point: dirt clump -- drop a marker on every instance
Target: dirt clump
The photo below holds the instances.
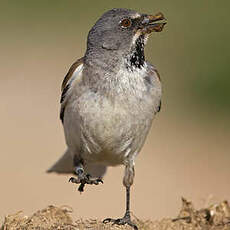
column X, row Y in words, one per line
column 215, row 217
column 49, row 218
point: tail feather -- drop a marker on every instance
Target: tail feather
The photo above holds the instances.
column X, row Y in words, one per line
column 63, row 165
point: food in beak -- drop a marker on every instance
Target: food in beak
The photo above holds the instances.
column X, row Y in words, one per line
column 150, row 25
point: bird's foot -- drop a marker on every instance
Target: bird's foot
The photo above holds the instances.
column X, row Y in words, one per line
column 121, row 221
column 83, row 180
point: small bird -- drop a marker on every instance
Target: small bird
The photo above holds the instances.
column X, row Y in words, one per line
column 109, row 99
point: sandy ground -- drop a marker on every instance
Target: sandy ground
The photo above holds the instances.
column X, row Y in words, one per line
column 214, row 217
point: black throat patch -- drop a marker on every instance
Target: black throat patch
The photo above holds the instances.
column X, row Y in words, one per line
column 137, row 58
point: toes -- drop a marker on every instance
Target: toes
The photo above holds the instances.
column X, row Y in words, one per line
column 93, row 181
column 87, row 176
column 81, row 187
column 114, row 221
column 106, row 221
column 71, row 179
column 121, row 221
column 83, row 181
column 74, row 180
column 100, row 181
column 132, row 225
column 97, row 181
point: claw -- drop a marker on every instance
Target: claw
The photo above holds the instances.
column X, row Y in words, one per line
column 74, row 180
column 85, row 179
column 106, row 221
column 81, row 188
column 121, row 221
column 100, row 180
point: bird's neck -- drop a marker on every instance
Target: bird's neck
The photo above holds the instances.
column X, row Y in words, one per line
column 114, row 68
column 102, row 63
column 136, row 59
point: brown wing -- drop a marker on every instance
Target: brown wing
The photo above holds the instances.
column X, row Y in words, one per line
column 159, row 77
column 70, row 72
column 66, row 85
column 158, row 74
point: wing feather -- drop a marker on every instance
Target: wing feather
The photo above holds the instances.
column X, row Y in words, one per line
column 70, row 76
column 152, row 78
column 159, row 78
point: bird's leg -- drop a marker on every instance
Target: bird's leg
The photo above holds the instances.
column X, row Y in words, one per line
column 83, row 178
column 128, row 180
column 126, row 219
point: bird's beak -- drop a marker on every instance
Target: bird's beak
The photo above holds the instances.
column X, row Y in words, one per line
column 152, row 23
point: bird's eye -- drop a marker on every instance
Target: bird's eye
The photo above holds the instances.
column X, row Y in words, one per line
column 125, row 23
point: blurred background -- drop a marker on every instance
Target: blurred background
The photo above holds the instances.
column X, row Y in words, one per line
column 188, row 150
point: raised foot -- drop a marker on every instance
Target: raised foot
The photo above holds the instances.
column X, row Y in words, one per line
column 83, row 180
column 122, row 221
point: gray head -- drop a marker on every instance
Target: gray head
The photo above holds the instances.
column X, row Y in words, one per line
column 122, row 33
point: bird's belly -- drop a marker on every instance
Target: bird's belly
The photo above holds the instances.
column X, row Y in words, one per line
column 113, row 134
column 108, row 133
column 107, row 141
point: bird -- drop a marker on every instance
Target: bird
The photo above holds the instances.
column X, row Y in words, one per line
column 109, row 99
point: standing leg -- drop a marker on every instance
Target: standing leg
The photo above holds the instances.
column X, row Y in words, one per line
column 127, row 181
